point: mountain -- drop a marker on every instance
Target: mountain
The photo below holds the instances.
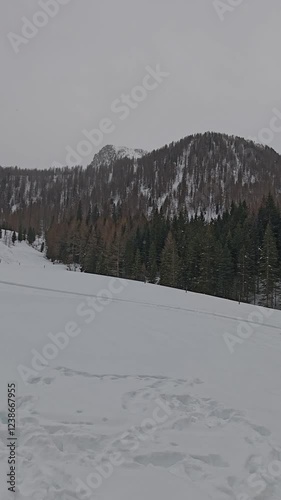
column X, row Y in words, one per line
column 110, row 154
column 129, row 390
column 203, row 172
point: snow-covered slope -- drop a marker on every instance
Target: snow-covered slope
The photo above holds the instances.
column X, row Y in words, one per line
column 20, row 254
column 202, row 173
column 127, row 390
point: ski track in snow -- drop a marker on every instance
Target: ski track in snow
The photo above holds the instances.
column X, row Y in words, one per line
column 73, row 415
column 147, row 304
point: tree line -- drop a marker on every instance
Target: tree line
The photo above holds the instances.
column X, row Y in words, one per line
column 23, row 234
column 235, row 256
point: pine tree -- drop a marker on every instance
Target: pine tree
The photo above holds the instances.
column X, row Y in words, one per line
column 137, row 269
column 90, row 257
column 246, row 270
column 79, row 215
column 31, row 235
column 169, row 269
column 207, row 263
column 152, row 264
column 193, row 260
column 116, row 257
column 269, row 268
column 223, row 272
column 129, row 259
column 102, row 266
column 20, row 237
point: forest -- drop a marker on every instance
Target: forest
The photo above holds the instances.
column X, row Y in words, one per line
column 236, row 255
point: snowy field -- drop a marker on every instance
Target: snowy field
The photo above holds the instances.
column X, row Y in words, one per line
column 131, row 391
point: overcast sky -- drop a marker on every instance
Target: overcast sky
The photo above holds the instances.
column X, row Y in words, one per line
column 224, row 74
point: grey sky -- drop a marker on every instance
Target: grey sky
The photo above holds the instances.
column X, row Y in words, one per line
column 224, row 75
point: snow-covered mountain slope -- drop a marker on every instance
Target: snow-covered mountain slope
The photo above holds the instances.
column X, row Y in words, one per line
column 20, row 254
column 127, row 390
column 201, row 173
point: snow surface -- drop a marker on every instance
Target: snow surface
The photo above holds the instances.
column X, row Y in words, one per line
column 150, row 377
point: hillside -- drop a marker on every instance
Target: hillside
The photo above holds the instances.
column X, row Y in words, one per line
column 204, row 172
column 152, row 393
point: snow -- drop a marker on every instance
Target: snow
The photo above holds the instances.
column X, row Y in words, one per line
column 124, row 152
column 149, row 397
column 109, row 154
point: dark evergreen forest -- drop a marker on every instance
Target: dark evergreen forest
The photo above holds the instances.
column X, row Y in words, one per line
column 236, row 256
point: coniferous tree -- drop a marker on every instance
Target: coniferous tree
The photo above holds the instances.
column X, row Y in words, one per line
column 89, row 263
column 193, row 259
column 245, row 270
column 269, row 268
column 152, row 264
column 79, row 215
column 102, row 266
column 20, row 236
column 169, row 269
column 31, row 235
column 206, row 281
column 224, row 272
column 129, row 259
column 137, row 269
column 116, row 257
column 224, row 257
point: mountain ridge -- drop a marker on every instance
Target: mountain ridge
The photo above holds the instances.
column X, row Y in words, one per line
column 200, row 173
